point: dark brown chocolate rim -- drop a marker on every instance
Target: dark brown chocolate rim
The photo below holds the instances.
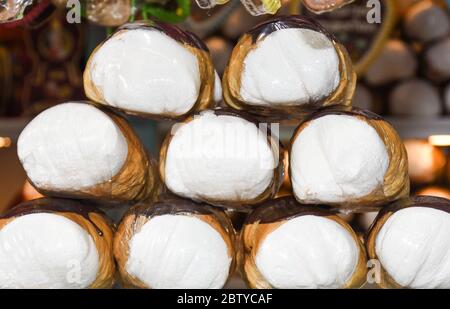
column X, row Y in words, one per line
column 137, row 216
column 271, row 215
column 277, row 179
column 88, row 218
column 396, row 180
column 137, row 157
column 190, row 41
column 416, row 201
column 55, row 205
column 231, row 80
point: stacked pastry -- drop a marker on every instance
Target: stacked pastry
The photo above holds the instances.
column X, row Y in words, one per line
column 178, row 235
column 87, row 151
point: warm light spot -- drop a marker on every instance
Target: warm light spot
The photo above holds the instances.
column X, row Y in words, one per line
column 5, row 142
column 439, row 140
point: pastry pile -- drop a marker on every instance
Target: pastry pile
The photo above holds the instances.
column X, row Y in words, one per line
column 220, row 158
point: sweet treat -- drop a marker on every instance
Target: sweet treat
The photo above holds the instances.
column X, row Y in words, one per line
column 321, row 6
column 437, row 61
column 396, row 62
column 151, row 69
column 54, row 243
column 287, row 67
column 426, row 21
column 415, row 98
column 426, row 163
column 175, row 243
column 435, row 191
column 347, row 157
column 223, row 158
column 410, row 239
column 289, row 246
column 108, row 13
column 77, row 150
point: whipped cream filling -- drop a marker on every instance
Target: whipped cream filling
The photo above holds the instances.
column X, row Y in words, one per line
column 219, row 157
column 146, row 71
column 414, row 247
column 337, row 157
column 290, row 67
column 179, row 252
column 43, row 250
column 71, row 146
column 308, row 252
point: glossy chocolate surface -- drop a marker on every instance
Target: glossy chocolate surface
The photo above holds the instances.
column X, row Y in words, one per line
column 55, row 205
column 265, row 28
column 286, row 208
column 179, row 35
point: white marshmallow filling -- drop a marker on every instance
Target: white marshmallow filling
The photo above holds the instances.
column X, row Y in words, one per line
column 71, row 146
column 219, row 157
column 144, row 70
column 308, row 252
column 290, row 67
column 413, row 246
column 179, row 251
column 336, row 158
column 44, row 251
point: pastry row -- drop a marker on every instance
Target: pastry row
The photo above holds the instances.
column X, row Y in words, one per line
column 339, row 156
column 178, row 243
column 283, row 68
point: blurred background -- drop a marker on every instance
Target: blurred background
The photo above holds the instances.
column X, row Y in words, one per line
column 403, row 66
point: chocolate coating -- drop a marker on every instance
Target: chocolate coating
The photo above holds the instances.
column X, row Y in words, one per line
column 55, row 205
column 179, row 35
column 286, row 208
column 265, row 28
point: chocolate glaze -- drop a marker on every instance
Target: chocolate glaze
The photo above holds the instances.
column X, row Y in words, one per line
column 226, row 111
column 438, row 203
column 179, row 35
column 343, row 110
column 170, row 204
column 265, row 28
column 55, row 205
column 286, row 208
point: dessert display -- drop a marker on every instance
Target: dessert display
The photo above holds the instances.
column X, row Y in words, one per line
column 175, row 243
column 151, row 69
column 410, row 239
column 308, row 69
column 223, row 158
column 347, row 157
column 56, row 243
column 226, row 198
column 78, row 150
column 289, row 245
